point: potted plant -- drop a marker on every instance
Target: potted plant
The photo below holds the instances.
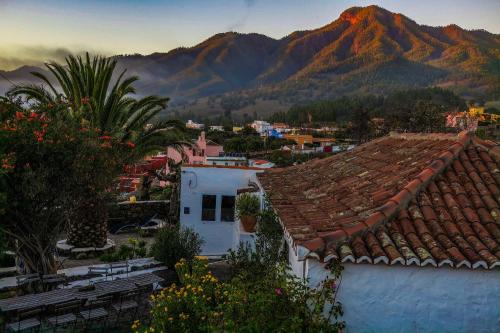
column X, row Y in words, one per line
column 247, row 208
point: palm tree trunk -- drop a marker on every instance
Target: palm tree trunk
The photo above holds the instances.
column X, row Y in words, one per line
column 88, row 225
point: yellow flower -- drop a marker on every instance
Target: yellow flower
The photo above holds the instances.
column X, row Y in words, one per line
column 201, row 257
column 135, row 324
column 170, row 319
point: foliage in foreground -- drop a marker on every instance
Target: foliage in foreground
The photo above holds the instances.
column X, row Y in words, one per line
column 262, row 295
column 90, row 94
column 55, row 167
column 173, row 243
column 277, row 302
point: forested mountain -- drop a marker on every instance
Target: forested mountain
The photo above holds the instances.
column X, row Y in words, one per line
column 365, row 50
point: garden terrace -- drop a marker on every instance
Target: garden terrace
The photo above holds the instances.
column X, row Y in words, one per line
column 410, row 199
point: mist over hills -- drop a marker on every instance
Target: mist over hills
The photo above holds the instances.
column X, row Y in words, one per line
column 365, row 50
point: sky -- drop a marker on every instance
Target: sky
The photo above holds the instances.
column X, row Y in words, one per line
column 34, row 31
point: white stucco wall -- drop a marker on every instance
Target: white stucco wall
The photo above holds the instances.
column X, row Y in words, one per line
column 380, row 298
column 219, row 236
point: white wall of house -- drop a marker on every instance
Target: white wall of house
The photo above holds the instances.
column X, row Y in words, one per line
column 380, row 298
column 219, row 236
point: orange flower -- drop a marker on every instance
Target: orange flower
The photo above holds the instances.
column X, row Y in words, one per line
column 20, row 115
column 106, row 145
column 105, row 137
column 39, row 135
column 130, row 144
column 85, row 100
column 7, row 164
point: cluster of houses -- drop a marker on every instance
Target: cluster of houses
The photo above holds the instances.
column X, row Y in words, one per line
column 475, row 120
column 304, row 143
column 201, row 152
column 414, row 219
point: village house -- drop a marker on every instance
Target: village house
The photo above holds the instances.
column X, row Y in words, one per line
column 207, row 202
column 300, row 139
column 414, row 219
column 281, row 127
column 262, row 127
column 228, row 159
column 193, row 125
column 198, row 152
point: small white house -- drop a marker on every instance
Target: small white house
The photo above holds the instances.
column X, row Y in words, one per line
column 262, row 127
column 227, row 159
column 193, row 125
column 207, row 204
column 219, row 128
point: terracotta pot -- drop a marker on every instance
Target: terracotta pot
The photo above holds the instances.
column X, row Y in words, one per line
column 249, row 222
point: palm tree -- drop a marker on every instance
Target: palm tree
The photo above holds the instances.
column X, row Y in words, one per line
column 87, row 86
column 100, row 100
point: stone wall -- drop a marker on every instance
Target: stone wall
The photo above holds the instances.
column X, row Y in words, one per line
column 128, row 211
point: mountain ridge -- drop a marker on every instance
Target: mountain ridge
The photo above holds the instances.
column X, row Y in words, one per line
column 364, row 50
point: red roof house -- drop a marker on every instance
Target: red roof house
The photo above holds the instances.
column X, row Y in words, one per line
column 415, row 218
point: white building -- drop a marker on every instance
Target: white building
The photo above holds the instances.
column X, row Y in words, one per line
column 219, row 128
column 207, row 204
column 191, row 124
column 262, row 127
column 228, row 159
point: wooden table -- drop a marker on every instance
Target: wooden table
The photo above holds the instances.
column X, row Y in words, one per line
column 58, row 296
column 144, row 280
column 34, row 301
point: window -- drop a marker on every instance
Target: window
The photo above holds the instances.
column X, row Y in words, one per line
column 227, row 208
column 186, row 210
column 208, row 207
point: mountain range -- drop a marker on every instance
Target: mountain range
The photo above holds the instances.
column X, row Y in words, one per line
column 365, row 50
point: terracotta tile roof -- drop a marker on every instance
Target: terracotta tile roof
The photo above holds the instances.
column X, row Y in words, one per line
column 412, row 199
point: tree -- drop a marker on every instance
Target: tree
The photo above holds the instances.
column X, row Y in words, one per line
column 427, row 117
column 54, row 168
column 99, row 103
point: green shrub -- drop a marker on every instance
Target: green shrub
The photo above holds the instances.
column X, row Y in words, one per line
column 247, row 204
column 173, row 243
column 134, row 249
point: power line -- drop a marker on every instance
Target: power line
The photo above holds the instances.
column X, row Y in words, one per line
column 7, row 79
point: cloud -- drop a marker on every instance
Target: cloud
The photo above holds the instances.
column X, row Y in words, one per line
column 12, row 57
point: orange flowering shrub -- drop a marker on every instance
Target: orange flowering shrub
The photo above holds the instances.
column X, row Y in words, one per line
column 55, row 167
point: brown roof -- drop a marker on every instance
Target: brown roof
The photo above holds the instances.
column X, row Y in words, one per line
column 407, row 198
